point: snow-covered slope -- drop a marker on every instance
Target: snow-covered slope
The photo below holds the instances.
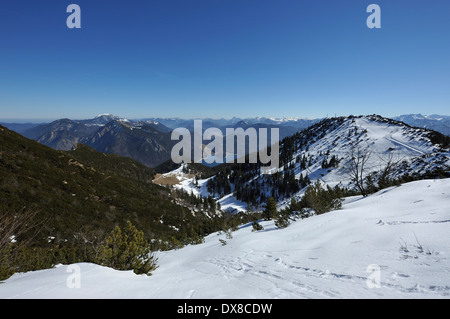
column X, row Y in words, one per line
column 392, row 244
column 377, row 137
column 187, row 182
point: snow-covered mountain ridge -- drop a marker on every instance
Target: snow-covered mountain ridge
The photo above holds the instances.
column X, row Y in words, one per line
column 324, row 151
column 379, row 137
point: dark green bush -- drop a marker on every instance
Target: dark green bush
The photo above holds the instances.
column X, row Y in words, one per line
column 319, row 199
column 127, row 249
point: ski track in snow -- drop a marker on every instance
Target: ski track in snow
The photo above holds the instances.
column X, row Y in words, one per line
column 395, row 141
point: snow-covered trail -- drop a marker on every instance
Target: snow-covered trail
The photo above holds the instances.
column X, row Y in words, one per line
column 399, row 236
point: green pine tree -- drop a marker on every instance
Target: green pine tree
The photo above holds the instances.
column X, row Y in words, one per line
column 256, row 226
column 322, row 200
column 282, row 218
column 127, row 249
column 271, row 209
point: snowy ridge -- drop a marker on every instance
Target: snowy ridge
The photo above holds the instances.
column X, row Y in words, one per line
column 401, row 232
column 378, row 138
column 410, row 149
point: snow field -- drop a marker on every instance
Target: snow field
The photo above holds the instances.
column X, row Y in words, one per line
column 392, row 244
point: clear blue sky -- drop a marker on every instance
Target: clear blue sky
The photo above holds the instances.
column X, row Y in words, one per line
column 223, row 58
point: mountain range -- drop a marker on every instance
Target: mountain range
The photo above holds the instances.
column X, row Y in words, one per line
column 148, row 140
column 439, row 123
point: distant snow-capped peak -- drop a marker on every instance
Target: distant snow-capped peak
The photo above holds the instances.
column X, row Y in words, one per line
column 106, row 115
